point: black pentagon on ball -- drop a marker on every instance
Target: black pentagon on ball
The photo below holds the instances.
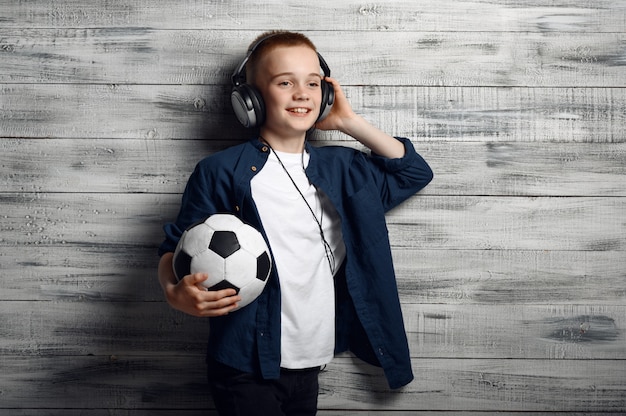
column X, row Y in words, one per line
column 182, row 264
column 263, row 266
column 224, row 243
column 224, row 284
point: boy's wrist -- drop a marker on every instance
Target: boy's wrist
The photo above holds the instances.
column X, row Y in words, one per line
column 353, row 126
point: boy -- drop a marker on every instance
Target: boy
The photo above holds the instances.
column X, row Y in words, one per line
column 321, row 210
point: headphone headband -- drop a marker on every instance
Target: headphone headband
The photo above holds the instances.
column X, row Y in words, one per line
column 238, row 77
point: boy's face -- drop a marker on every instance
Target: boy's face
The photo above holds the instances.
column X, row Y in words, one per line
column 289, row 80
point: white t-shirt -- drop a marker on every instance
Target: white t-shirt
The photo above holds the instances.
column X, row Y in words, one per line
column 306, row 280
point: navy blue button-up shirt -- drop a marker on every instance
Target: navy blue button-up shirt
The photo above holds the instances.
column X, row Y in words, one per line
column 362, row 188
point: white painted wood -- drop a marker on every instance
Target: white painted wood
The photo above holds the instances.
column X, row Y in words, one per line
column 164, row 112
column 122, row 273
column 210, row 412
column 481, row 385
column 451, row 385
column 382, row 15
column 508, row 223
column 103, row 326
column 144, row 55
column 425, row 222
column 510, row 265
column 536, row 277
column 461, row 168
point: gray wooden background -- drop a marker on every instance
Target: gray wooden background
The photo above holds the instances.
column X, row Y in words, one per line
column 511, row 264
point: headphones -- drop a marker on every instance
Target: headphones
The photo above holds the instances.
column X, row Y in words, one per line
column 248, row 103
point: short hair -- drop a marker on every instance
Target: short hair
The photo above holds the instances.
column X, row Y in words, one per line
column 268, row 42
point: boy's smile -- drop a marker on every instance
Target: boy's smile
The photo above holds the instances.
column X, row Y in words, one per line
column 299, row 110
column 290, row 82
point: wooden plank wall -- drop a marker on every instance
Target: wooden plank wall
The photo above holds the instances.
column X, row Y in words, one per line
column 511, row 264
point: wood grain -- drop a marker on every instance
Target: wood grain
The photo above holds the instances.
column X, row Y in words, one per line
column 164, row 112
column 510, row 265
column 510, row 276
column 383, row 15
column 164, row 57
column 343, row 412
column 452, row 385
column 461, row 168
column 445, row 223
column 121, row 273
column 99, row 326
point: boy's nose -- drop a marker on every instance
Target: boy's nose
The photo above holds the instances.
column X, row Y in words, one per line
column 301, row 94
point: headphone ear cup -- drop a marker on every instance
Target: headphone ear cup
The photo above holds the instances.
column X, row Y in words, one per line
column 328, row 99
column 248, row 105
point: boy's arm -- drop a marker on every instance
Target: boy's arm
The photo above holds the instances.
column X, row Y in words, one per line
column 344, row 119
column 188, row 297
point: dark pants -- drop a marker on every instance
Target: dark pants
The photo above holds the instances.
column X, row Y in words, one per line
column 236, row 393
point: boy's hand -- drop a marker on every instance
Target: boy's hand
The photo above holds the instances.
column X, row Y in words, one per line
column 189, row 296
column 341, row 112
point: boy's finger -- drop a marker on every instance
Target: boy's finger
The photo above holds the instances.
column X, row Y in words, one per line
column 195, row 278
column 226, row 293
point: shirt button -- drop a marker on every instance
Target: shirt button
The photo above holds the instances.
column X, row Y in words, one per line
column 236, row 208
column 253, row 168
column 264, row 148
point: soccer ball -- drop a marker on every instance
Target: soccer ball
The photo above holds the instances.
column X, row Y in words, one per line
column 232, row 253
